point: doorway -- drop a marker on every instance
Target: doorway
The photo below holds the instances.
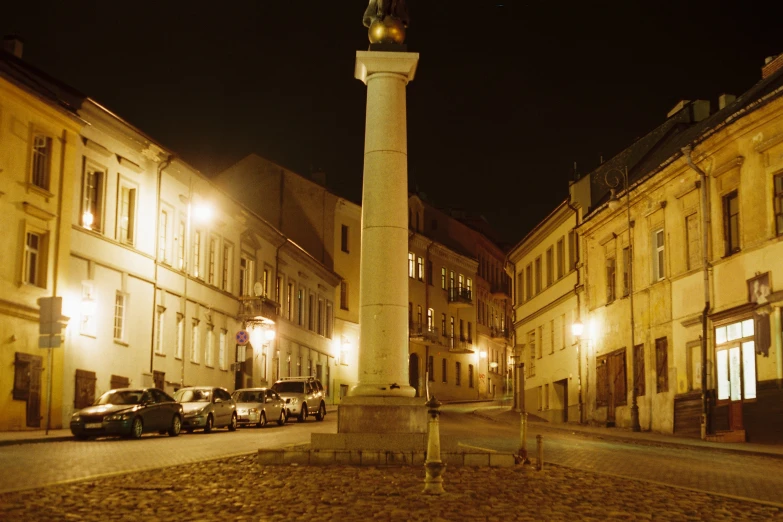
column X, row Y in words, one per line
column 413, row 373
column 560, row 389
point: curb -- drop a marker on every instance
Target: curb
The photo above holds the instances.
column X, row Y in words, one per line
column 36, row 440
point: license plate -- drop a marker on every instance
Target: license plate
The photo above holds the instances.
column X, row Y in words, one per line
column 93, row 425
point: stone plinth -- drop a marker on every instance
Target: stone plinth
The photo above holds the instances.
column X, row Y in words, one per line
column 377, row 424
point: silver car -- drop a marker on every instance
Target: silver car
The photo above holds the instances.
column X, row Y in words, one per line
column 207, row 407
column 256, row 406
column 303, row 396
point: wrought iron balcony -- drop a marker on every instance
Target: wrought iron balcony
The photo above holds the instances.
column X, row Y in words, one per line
column 499, row 334
column 500, row 290
column 255, row 308
column 422, row 332
column 461, row 297
column 457, row 345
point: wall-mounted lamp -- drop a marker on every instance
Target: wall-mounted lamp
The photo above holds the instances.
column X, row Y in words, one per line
column 493, row 364
column 577, row 329
column 483, row 354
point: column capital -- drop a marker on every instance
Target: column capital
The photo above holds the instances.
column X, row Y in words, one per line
column 371, row 62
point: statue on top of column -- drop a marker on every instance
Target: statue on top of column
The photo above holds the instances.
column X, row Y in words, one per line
column 378, row 10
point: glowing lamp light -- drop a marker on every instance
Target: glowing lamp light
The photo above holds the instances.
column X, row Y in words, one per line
column 577, row 329
column 202, row 213
column 88, row 219
column 493, row 364
column 483, row 355
column 269, row 334
column 88, row 307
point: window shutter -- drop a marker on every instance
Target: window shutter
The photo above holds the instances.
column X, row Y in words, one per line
column 620, row 382
column 602, row 383
column 34, row 397
column 84, row 394
column 119, row 382
column 638, row 365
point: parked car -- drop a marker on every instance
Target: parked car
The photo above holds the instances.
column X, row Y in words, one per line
column 129, row 412
column 207, row 407
column 303, row 396
column 258, row 405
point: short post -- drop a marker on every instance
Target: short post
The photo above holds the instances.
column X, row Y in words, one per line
column 540, row 444
column 433, row 481
column 521, row 456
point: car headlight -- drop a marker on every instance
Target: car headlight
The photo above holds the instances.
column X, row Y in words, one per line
column 118, row 417
column 76, row 417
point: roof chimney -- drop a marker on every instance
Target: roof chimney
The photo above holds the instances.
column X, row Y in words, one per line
column 677, row 108
column 771, row 64
column 725, row 100
column 13, row 44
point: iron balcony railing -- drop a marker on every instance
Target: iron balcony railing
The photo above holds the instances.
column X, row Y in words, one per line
column 420, row 331
column 499, row 333
column 460, row 296
column 257, row 308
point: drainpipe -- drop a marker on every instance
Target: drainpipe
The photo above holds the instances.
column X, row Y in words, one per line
column 161, row 167
column 705, row 219
column 578, row 314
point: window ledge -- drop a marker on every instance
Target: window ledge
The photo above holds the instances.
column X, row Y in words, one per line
column 38, row 190
column 121, row 342
column 87, row 334
column 158, row 354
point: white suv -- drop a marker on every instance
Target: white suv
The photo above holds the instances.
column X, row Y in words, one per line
column 303, row 396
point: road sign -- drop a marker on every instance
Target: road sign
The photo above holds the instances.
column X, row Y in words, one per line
column 242, row 337
column 51, row 315
column 49, row 341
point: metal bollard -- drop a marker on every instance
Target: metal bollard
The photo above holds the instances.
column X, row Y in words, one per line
column 433, row 481
column 540, row 444
column 521, row 456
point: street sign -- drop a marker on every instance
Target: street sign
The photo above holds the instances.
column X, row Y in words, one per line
column 51, row 315
column 49, row 341
column 242, row 337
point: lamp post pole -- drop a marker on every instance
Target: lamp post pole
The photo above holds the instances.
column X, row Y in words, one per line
column 626, row 185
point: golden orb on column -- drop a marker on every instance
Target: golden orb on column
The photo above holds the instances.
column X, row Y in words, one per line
column 390, row 30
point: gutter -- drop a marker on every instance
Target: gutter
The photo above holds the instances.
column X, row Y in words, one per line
column 578, row 307
column 705, row 219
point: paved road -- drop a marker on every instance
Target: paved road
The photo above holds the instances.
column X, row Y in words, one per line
column 27, row 466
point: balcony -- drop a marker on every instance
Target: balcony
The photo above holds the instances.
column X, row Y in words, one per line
column 500, row 291
column 460, row 345
column 499, row 334
column 257, row 309
column 421, row 332
column 460, row 297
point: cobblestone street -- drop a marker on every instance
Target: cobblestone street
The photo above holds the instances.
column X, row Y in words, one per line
column 237, row 488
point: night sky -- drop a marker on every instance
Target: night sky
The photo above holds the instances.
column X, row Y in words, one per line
column 507, row 96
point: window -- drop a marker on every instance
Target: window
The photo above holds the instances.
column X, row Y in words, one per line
column 344, row 295
column 461, row 329
column 344, row 238
column 610, row 280
column 573, row 249
column 329, row 320
column 127, row 215
column 194, row 342
column 460, row 282
column 778, row 204
column 278, row 286
column 300, row 307
column 451, row 330
column 245, row 275
column 163, row 227
column 411, row 264
column 531, row 343
column 159, row 320
column 560, row 257
column 418, row 316
column 736, row 360
column 469, row 287
column 119, row 316
column 430, row 319
column 552, row 336
column 209, row 356
column 443, row 325
column 443, row 278
column 265, row 282
column 550, row 266
column 222, row 350
column 626, row 271
column 662, row 365
column 470, row 332
column 228, row 263
column 540, row 341
column 180, row 336
column 320, row 323
column 429, row 272
column 92, row 197
column 458, row 374
column 181, row 246
column 35, row 259
column 470, row 376
column 546, row 396
column 562, row 332
column 520, row 287
column 289, row 301
column 211, row 261
column 638, row 368
column 731, row 222
column 41, row 161
column 420, row 268
column 311, row 313
column 692, row 241
column 538, row 275
column 196, row 253
column 529, row 281
column 431, row 368
column 658, row 255
column 443, row 369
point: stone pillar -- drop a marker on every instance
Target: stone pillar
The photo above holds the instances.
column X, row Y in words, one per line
column 383, row 276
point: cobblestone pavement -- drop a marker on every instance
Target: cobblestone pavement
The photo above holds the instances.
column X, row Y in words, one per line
column 238, row 489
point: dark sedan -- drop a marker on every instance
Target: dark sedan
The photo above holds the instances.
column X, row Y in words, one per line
column 129, row 412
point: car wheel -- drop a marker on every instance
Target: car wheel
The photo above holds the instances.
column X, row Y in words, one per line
column 321, row 413
column 176, row 426
column 208, row 426
column 282, row 419
column 233, row 425
column 262, row 420
column 137, row 428
column 303, row 413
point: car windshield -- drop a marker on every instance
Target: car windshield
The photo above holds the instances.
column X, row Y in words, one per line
column 249, row 396
column 192, row 396
column 120, row 397
column 289, row 387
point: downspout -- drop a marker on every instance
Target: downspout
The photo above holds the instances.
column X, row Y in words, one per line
column 162, row 166
column 578, row 311
column 705, row 219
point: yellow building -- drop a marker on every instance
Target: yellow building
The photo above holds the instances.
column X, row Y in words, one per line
column 39, row 131
column 683, row 243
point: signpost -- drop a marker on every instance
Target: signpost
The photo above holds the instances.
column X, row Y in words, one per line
column 50, row 326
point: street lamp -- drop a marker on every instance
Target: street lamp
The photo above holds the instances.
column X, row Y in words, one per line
column 613, row 178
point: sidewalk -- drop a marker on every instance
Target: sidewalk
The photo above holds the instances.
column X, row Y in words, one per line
column 507, row 415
